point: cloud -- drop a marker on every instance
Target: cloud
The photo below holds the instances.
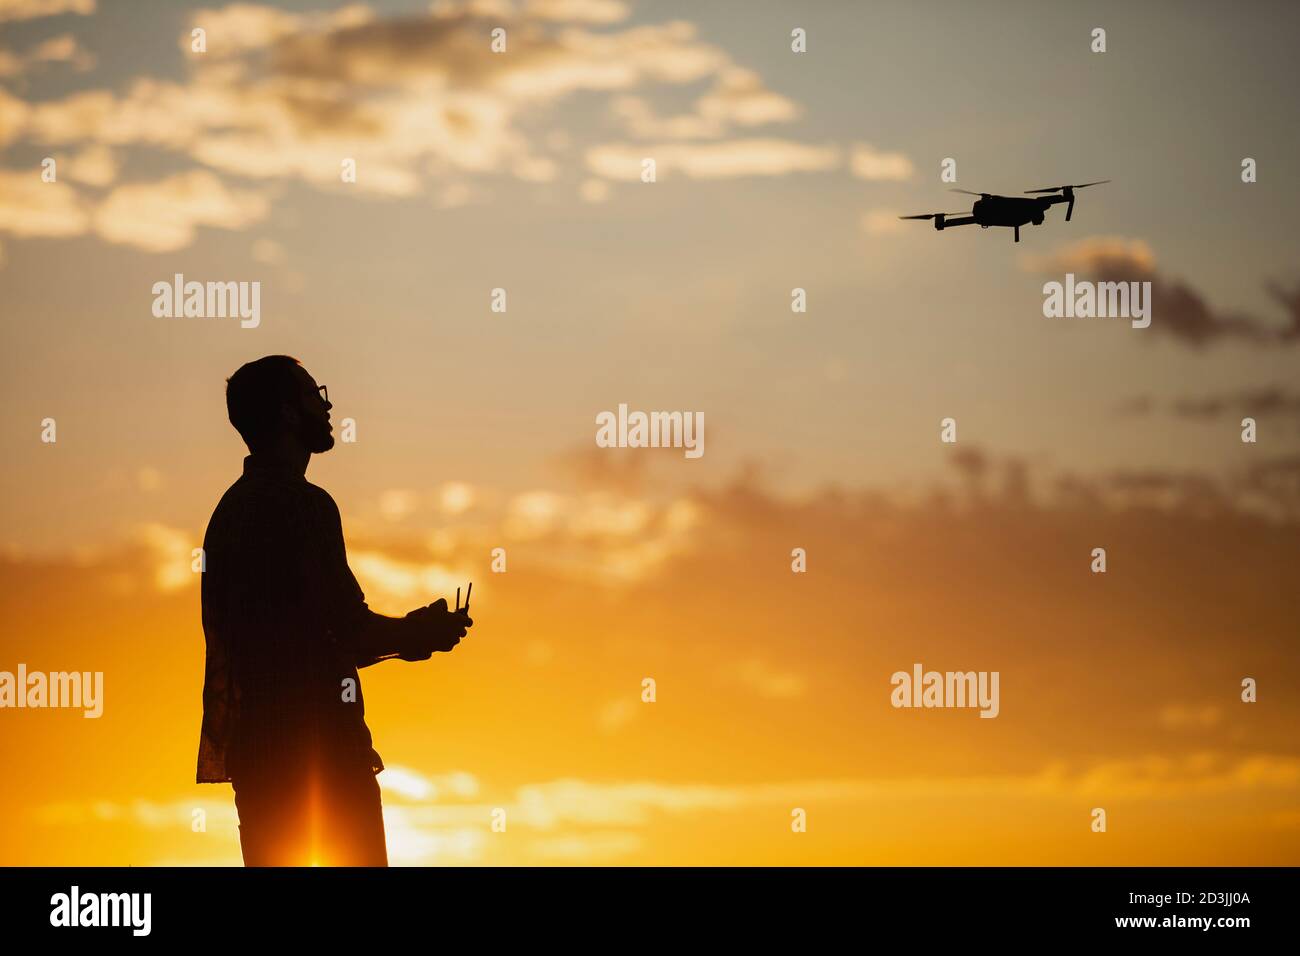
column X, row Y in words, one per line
column 1154, row 777
column 456, row 497
column 638, row 118
column 866, row 162
column 738, row 99
column 587, row 847
column 633, row 537
column 1275, row 483
column 1177, row 309
column 587, row 821
column 60, row 49
column 881, row 222
column 144, row 813
column 770, row 682
column 396, row 503
column 418, row 102
column 34, row 9
column 93, row 166
column 1265, row 402
column 586, row 11
column 1256, row 402
column 30, row 207
column 569, row 803
column 1160, row 777
column 241, row 27
column 617, row 714
column 13, row 117
column 170, row 552
column 162, row 216
column 404, row 782
column 605, row 469
column 1094, row 253
column 741, row 157
column 893, row 578
column 390, row 583
column 267, row 251
column 451, row 53
column 289, row 94
column 1181, row 716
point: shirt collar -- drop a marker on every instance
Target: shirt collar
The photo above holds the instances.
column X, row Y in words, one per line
column 262, row 466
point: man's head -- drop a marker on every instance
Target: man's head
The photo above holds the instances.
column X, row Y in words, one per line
column 273, row 402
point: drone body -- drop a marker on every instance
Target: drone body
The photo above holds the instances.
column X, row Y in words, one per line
column 1012, row 211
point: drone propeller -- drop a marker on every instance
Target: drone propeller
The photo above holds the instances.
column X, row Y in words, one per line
column 1061, row 189
column 968, row 192
column 932, row 215
column 1067, row 193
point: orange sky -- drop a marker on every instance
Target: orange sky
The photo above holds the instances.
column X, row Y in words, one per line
column 476, row 429
column 772, row 689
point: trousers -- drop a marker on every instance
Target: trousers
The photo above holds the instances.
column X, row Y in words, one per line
column 329, row 818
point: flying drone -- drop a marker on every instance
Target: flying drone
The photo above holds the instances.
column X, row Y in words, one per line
column 1013, row 211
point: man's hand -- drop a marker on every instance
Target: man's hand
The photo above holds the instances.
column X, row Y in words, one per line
column 434, row 629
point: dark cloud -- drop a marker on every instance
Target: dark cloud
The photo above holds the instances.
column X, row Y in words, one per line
column 1265, row 402
column 1177, row 308
column 1257, row 401
column 381, row 51
column 616, row 469
column 1269, row 488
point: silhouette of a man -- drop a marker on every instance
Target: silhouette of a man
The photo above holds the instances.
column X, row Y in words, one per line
column 287, row 627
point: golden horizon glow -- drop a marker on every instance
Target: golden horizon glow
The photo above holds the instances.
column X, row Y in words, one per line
column 776, row 172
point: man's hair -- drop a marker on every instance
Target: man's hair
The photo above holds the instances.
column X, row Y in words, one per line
column 255, row 393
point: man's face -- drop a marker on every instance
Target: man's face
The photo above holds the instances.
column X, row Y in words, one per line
column 314, row 429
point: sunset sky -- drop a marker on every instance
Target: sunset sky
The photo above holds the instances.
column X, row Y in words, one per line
column 776, row 170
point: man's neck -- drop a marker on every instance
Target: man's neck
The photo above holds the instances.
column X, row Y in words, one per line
column 291, row 458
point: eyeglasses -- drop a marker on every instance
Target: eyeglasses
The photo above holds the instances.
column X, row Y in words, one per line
column 324, row 393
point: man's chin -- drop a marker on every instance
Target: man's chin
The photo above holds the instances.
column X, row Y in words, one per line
column 323, row 443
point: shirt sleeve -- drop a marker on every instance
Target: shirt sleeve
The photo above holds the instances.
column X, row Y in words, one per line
column 346, row 614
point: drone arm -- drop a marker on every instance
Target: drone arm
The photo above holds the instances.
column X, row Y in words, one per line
column 1067, row 197
column 945, row 223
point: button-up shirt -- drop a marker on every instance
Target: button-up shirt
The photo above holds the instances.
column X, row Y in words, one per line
column 283, row 617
